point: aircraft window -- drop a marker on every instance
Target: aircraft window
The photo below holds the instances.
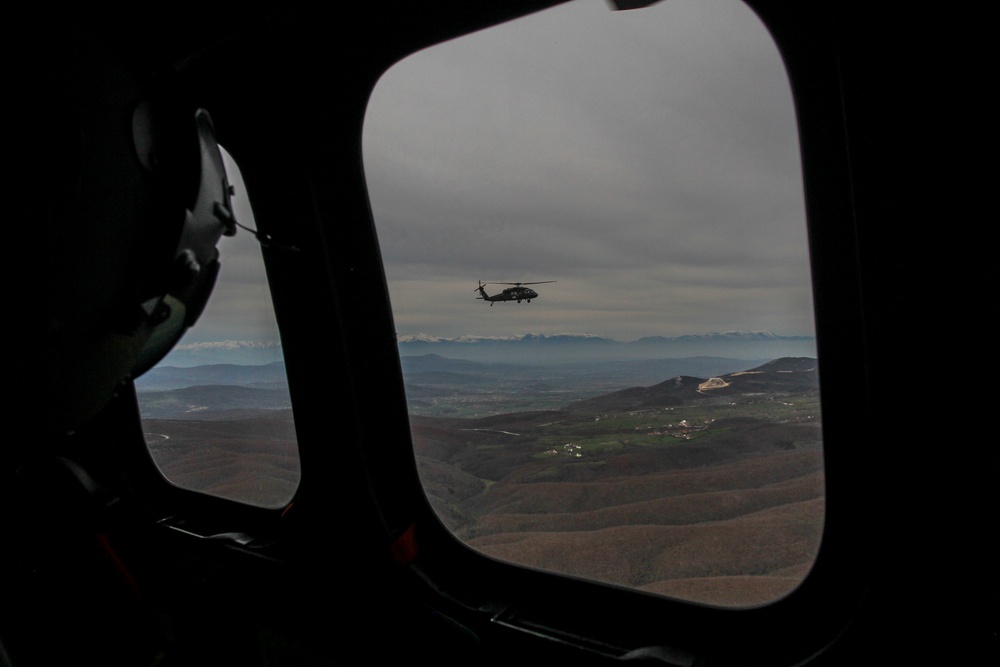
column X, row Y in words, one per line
column 650, row 418
column 216, row 411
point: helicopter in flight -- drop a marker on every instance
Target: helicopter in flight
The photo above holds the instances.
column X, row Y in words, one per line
column 516, row 293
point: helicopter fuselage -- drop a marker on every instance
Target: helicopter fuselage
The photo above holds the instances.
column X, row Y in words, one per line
column 518, row 294
column 515, row 294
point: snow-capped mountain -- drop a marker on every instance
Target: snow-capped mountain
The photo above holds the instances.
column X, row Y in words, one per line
column 537, row 348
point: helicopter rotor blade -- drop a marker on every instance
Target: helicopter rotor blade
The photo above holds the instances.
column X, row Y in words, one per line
column 540, row 282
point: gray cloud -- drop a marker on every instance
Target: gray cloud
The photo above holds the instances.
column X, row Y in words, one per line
column 647, row 160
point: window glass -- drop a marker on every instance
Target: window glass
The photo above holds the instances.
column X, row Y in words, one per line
column 216, row 412
column 648, row 415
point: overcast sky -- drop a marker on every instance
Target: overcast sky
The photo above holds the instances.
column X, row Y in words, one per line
column 646, row 160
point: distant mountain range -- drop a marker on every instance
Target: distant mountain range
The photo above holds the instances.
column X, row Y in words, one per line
column 245, row 352
column 168, row 378
column 438, row 385
column 539, row 348
column 212, row 391
column 434, row 370
column 529, row 348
